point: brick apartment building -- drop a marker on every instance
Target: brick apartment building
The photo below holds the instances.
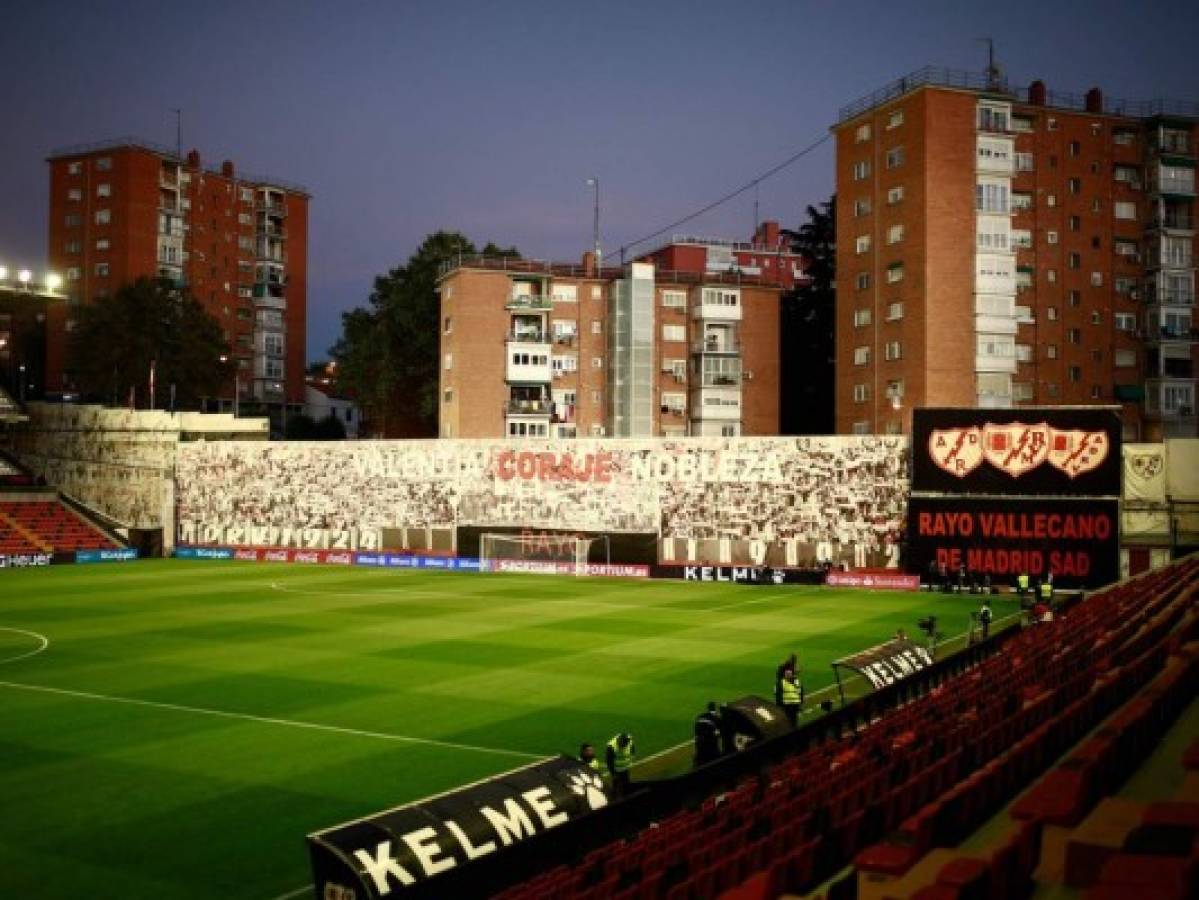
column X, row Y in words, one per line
column 768, row 256
column 998, row 247
column 533, row 349
column 128, row 208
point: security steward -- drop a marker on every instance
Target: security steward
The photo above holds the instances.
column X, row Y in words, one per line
column 1022, row 584
column 620, row 753
column 707, row 735
column 587, row 757
column 1047, row 591
column 790, row 692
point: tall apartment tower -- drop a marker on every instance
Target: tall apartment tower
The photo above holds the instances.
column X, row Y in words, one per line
column 124, row 209
column 999, row 247
column 537, row 350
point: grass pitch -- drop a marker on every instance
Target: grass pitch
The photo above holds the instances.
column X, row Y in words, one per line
column 173, row 729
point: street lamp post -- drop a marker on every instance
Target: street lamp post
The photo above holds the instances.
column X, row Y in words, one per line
column 22, row 369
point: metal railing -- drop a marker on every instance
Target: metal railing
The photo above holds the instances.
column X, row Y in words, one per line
column 606, row 273
column 141, row 143
column 937, row 76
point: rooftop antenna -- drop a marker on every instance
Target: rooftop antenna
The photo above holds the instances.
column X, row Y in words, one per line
column 755, row 209
column 994, row 76
column 178, row 131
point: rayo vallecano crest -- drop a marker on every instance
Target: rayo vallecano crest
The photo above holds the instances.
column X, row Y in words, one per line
column 1017, row 448
column 956, row 450
column 1146, row 465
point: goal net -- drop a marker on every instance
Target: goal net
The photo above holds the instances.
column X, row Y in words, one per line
column 568, row 553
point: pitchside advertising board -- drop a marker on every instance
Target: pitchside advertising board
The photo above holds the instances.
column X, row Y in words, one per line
column 406, row 851
column 1031, row 451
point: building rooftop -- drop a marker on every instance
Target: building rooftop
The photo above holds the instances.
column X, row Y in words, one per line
column 935, row 76
column 170, row 153
column 606, row 273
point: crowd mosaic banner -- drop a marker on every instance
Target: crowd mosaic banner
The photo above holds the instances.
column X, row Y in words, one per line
column 783, row 502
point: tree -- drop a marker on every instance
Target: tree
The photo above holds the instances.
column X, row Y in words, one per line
column 388, row 351
column 809, row 329
column 299, row 427
column 149, row 323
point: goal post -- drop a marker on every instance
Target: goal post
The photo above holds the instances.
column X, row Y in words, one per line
column 567, row 550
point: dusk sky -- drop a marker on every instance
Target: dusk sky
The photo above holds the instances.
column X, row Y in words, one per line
column 405, row 117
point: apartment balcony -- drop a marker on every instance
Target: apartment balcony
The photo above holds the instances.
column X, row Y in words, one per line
column 1171, row 399
column 1172, row 145
column 271, row 208
column 526, row 337
column 717, row 312
column 991, row 400
column 1172, row 297
column 999, row 364
column 717, row 404
column 534, row 408
column 528, row 301
column 528, row 362
column 1174, row 187
column 275, row 232
column 718, row 346
column 1182, row 222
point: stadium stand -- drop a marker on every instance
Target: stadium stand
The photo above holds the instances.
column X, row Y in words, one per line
column 896, row 793
column 46, row 526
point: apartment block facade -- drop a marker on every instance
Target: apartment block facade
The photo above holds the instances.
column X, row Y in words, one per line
column 768, row 256
column 999, row 247
column 546, row 350
column 124, row 209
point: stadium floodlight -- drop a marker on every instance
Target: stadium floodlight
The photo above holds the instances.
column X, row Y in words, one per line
column 3, row 273
column 24, row 276
column 53, row 281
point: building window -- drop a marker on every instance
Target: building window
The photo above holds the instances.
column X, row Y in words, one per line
column 597, row 327
column 895, row 119
column 894, row 273
column 895, row 157
column 1126, row 359
column 862, row 133
column 104, row 164
column 1125, row 321
column 1051, row 200
column 674, row 299
column 991, row 196
column 74, row 273
column 863, row 281
column 1074, row 298
column 1021, row 200
column 895, row 234
column 1024, row 162
column 72, row 220
column 861, row 393
column 103, row 216
column 861, row 318
column 104, row 190
column 862, row 243
column 892, row 350
column 861, row 170
column 102, row 243
column 73, row 246
column 101, row 270
column 992, row 118
column 861, row 207
column 895, row 311
column 448, row 327
column 597, row 362
column 1074, row 373
column 1096, row 279
column 1124, row 209
column 861, row 356
column 1051, row 276
column 1051, row 313
column 861, row 428
column 1051, row 351
column 674, row 332
column 1051, row 237
column 1073, row 336
column 74, row 195
column 895, row 195
column 1073, row 260
column 1096, row 317
column 1023, row 353
column 74, row 168
column 449, row 361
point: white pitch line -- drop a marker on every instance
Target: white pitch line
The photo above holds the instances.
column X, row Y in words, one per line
column 33, row 634
column 270, row 720
column 296, row 893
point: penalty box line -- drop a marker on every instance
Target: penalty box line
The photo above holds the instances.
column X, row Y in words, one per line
column 270, row 720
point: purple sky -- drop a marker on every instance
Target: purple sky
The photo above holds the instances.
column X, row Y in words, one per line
column 404, row 117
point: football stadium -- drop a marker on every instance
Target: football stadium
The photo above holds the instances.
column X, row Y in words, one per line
column 961, row 664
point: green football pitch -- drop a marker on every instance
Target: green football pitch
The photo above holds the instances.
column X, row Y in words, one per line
column 173, row 729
